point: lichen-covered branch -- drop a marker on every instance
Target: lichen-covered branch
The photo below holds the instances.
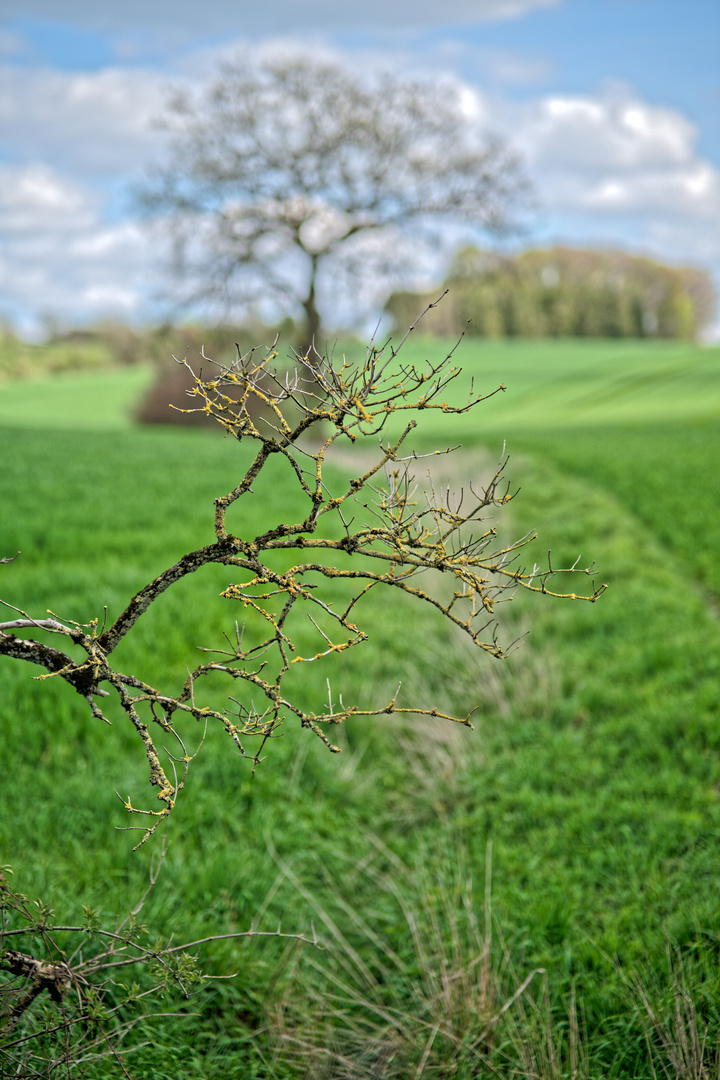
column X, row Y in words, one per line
column 385, row 528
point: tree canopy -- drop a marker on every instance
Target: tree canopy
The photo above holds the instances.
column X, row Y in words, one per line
column 287, row 175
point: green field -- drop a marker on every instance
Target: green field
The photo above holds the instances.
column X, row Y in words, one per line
column 100, row 401
column 591, row 785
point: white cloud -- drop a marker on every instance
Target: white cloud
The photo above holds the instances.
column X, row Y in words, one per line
column 692, row 191
column 100, row 122
column 34, row 198
column 58, row 256
column 613, row 155
column 606, row 132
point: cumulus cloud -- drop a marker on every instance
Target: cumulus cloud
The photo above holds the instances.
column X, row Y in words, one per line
column 59, row 256
column 596, row 133
column 34, row 199
column 693, row 190
column 73, row 139
column 98, row 123
column 619, row 164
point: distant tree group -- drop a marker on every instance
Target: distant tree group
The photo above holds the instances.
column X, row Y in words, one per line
column 564, row 292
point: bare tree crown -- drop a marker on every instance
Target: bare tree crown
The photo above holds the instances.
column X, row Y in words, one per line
column 281, row 171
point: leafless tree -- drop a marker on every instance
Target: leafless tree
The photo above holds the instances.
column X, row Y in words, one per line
column 286, row 173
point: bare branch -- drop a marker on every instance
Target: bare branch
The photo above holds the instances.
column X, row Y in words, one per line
column 383, row 528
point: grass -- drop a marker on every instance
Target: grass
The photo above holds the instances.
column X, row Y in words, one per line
column 666, row 474
column 594, row 772
column 96, row 401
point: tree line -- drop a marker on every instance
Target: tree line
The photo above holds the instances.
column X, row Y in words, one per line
column 563, row 292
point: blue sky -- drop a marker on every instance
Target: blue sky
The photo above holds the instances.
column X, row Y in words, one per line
column 614, row 105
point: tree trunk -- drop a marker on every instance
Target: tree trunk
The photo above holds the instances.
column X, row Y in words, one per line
column 312, row 315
